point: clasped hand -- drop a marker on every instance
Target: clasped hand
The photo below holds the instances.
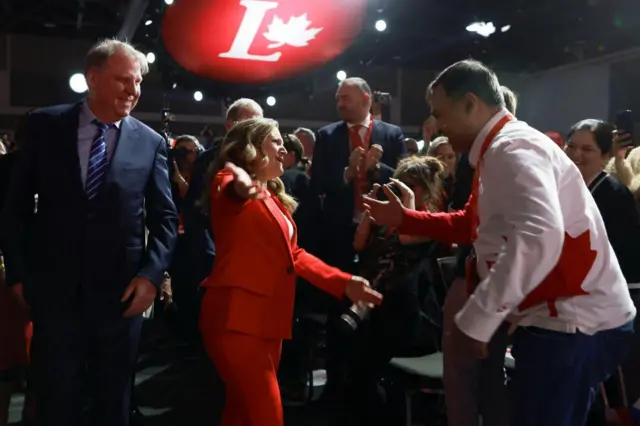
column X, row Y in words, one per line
column 360, row 292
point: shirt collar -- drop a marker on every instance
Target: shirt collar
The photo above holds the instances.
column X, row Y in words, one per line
column 365, row 123
column 474, row 153
column 87, row 116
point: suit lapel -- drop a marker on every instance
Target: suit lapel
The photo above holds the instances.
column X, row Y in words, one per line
column 69, row 134
column 272, row 205
column 125, row 150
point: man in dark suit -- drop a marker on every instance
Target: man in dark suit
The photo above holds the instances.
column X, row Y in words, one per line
column 348, row 156
column 79, row 259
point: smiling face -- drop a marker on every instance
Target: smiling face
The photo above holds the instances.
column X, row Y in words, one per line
column 583, row 150
column 114, row 88
column 271, row 163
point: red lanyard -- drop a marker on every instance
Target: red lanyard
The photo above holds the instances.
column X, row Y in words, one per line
column 473, row 201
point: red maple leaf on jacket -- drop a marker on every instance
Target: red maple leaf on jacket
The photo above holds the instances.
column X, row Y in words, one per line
column 566, row 278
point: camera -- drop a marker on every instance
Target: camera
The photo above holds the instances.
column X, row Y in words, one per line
column 382, row 98
column 358, row 313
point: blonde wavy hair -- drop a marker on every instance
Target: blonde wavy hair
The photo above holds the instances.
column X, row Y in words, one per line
column 425, row 172
column 242, row 146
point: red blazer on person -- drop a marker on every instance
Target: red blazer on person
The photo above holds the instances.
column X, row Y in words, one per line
column 256, row 265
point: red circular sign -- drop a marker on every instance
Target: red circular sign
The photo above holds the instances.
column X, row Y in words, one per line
column 256, row 41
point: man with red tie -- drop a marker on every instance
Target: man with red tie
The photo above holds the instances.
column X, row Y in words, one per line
column 541, row 253
column 347, row 157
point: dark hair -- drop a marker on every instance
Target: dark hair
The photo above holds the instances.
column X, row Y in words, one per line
column 186, row 138
column 601, row 130
column 292, row 144
column 470, row 76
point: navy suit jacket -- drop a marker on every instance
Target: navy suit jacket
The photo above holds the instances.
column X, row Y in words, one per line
column 71, row 246
column 331, row 156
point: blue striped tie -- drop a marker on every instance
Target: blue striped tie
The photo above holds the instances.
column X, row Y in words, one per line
column 98, row 162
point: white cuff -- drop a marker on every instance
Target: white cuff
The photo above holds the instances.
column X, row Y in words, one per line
column 474, row 321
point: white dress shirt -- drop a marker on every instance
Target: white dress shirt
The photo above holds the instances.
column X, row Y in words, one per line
column 530, row 194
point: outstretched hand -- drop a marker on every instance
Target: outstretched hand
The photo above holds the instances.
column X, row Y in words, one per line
column 244, row 186
column 385, row 213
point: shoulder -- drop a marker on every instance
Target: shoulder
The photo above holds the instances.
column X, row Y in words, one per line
column 145, row 131
column 613, row 186
column 330, row 128
column 520, row 142
column 387, row 127
column 51, row 112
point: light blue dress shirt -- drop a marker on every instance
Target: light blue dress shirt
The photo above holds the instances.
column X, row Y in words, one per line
column 87, row 132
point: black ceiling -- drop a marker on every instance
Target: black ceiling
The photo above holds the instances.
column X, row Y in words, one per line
column 420, row 33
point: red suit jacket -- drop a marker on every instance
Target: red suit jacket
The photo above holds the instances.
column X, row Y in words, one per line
column 256, row 265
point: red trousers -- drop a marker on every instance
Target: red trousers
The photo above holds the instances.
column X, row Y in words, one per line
column 247, row 365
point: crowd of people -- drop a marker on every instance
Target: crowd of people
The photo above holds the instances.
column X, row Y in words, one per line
column 544, row 231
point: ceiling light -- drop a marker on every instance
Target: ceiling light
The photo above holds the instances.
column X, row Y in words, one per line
column 77, row 83
column 271, row 101
column 485, row 29
column 505, row 28
column 341, row 75
column 149, row 22
column 197, row 95
column 151, row 57
column 381, row 25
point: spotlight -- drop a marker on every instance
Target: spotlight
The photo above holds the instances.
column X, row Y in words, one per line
column 149, row 22
column 197, row 95
column 271, row 101
column 341, row 75
column 381, row 25
column 168, row 2
column 77, row 83
column 151, row 57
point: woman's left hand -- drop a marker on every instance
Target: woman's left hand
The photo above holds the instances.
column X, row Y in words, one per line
column 408, row 197
column 359, row 291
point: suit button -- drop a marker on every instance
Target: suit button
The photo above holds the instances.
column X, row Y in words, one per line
column 290, row 270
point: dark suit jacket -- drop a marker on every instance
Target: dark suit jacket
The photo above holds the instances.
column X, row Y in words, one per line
column 621, row 220
column 332, row 202
column 296, row 182
column 71, row 246
column 331, row 156
column 198, row 237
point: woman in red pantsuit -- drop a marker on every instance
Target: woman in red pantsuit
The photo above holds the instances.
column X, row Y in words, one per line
column 248, row 306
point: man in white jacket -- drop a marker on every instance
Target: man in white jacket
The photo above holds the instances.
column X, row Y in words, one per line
column 541, row 253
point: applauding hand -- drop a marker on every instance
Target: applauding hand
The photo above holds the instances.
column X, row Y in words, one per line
column 244, row 186
column 359, row 291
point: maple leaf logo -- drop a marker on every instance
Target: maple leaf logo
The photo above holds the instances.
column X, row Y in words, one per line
column 294, row 33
